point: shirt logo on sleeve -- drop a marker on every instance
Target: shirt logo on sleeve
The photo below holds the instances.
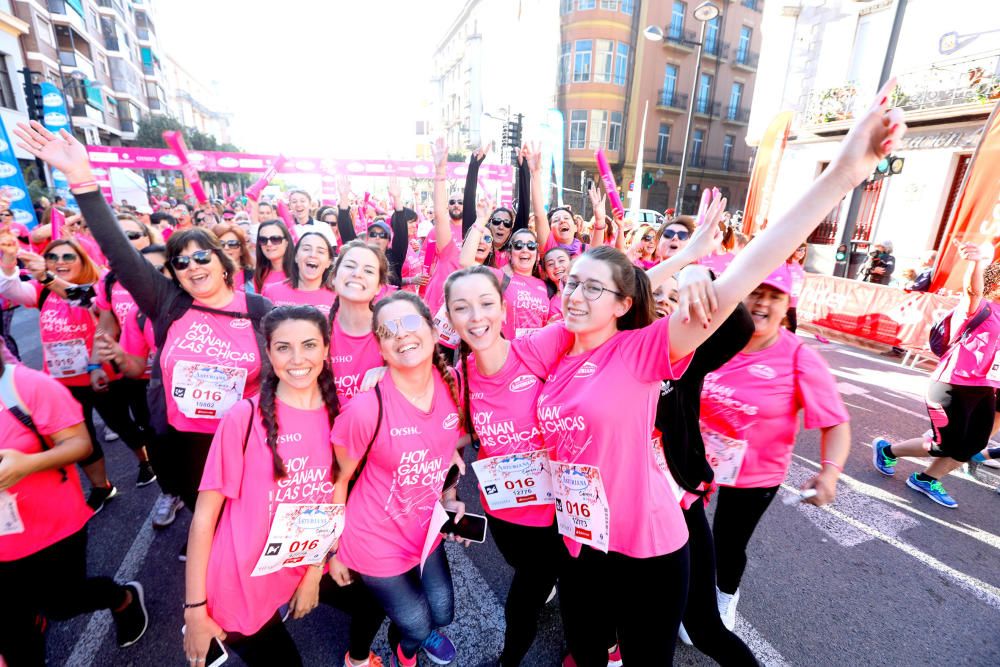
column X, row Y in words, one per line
column 762, row 371
column 523, row 382
column 585, row 371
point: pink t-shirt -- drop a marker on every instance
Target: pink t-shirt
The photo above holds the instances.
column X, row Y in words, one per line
column 413, row 265
column 283, row 294
column 503, row 412
column 351, row 357
column 718, row 263
column 274, row 277
column 798, row 276
column 968, row 363
column 390, row 507
column 575, row 248
column 383, row 292
column 555, row 307
column 447, row 263
column 90, row 246
column 120, row 301
column 67, row 339
column 757, row 396
column 139, row 343
column 237, row 601
column 527, row 302
column 218, row 340
column 51, row 509
column 598, row 409
column 646, row 264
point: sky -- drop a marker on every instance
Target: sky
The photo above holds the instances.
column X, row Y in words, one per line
column 314, row 78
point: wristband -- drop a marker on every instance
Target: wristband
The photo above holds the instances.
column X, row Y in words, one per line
column 193, row 605
column 49, row 277
column 600, row 227
column 93, row 367
column 840, row 468
column 83, row 184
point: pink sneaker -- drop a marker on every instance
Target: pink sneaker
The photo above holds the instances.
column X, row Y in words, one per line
column 397, row 659
column 615, row 656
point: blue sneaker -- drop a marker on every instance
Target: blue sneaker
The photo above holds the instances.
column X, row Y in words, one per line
column 883, row 463
column 932, row 490
column 439, row 648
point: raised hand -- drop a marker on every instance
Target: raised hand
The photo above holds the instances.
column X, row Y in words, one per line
column 708, row 235
column 33, row 263
column 61, row 151
column 874, row 136
column 343, row 190
column 597, row 202
column 439, row 150
column 482, row 152
column 395, row 200
column 533, row 154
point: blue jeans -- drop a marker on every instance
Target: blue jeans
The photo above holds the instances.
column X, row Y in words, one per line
column 416, row 603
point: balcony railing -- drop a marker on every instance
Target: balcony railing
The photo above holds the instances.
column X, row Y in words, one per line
column 673, row 159
column 67, row 58
column 671, row 99
column 677, row 37
column 718, row 50
column 747, row 59
column 705, row 108
column 737, row 115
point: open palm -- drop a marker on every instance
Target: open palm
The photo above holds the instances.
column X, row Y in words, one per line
column 61, row 151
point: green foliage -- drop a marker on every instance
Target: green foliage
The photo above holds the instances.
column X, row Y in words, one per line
column 150, row 135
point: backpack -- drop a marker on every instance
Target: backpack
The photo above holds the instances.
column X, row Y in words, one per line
column 11, row 400
column 939, row 338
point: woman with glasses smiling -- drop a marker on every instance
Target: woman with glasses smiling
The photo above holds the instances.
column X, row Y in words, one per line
column 234, row 243
column 274, row 261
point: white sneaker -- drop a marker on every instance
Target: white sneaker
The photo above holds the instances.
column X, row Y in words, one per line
column 727, row 607
column 165, row 510
column 991, row 463
column 682, row 634
column 109, row 435
column 552, row 596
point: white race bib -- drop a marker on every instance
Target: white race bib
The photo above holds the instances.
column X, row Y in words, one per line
column 523, row 331
column 582, row 512
column 10, row 518
column 994, row 374
column 725, row 455
column 515, row 480
column 447, row 335
column 300, row 535
column 206, row 391
column 66, row 358
column 661, row 462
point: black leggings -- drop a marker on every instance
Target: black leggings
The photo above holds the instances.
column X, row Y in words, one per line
column 49, row 584
column 598, row 591
column 272, row 645
column 701, row 618
column 179, row 461
column 793, row 322
column 7, row 331
column 961, row 419
column 737, row 513
column 534, row 553
column 113, row 406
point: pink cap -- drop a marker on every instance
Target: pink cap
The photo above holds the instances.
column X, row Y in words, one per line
column 780, row 279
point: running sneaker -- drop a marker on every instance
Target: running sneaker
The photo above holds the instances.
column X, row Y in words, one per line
column 439, row 648
column 884, row 463
column 683, row 635
column 615, row 656
column 99, row 496
column 183, row 555
column 932, row 490
column 727, row 607
column 372, row 661
column 146, row 474
column 397, row 659
column 109, row 435
column 131, row 622
column 552, row 595
column 165, row 510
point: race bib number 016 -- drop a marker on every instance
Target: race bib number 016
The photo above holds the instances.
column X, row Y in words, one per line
column 582, row 512
column 206, row 391
column 447, row 335
column 300, row 535
column 66, row 358
column 725, row 455
column 516, row 480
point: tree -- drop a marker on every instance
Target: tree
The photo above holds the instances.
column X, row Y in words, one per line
column 150, row 135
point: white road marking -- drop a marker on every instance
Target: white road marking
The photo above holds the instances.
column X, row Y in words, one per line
column 762, row 649
column 849, row 389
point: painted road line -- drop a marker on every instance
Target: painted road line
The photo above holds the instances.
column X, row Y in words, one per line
column 850, row 389
column 765, row 652
column 857, row 407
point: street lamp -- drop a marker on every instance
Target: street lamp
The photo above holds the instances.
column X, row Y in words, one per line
column 704, row 12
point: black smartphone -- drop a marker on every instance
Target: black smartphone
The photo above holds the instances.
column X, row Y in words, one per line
column 472, row 527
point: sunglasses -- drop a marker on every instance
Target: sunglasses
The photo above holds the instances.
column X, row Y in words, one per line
column 183, row 262
column 392, row 328
column 452, row 202
column 6, row 214
column 377, row 234
column 65, row 257
column 487, row 238
column 649, row 237
column 521, row 245
column 134, row 236
column 271, row 240
column 496, row 222
column 671, row 233
column 231, row 243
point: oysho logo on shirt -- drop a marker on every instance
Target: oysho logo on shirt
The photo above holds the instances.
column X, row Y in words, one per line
column 342, row 359
column 523, row 382
column 239, row 323
column 404, row 430
column 585, row 371
column 762, row 371
column 450, row 422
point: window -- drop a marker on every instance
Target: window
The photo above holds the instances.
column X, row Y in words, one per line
column 604, row 60
column 621, row 64
column 44, row 29
column 598, row 128
column 7, row 98
column 662, row 143
column 677, row 20
column 581, row 60
column 712, row 35
column 704, row 92
column 564, row 58
column 628, row 6
column 565, row 6
column 735, row 97
column 585, row 4
column 615, row 131
column 728, row 143
column 578, row 129
column 697, row 144
column 610, row 5
column 112, row 106
column 744, row 46
column 670, row 73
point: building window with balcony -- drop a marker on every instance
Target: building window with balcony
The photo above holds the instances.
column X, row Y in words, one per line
column 677, row 20
column 578, row 129
column 564, row 61
column 565, row 6
column 44, row 30
column 615, row 131
column 581, row 60
column 670, row 73
column 621, row 64
column 598, row 128
column 743, row 50
column 728, row 143
column 704, row 92
column 604, row 60
column 628, row 6
column 610, row 5
column 735, row 97
column 712, row 35
column 697, row 148
column 662, row 143
column 586, row 4
column 7, row 98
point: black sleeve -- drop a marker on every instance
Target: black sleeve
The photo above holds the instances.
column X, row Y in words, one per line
column 890, row 265
column 469, row 194
column 398, row 246
column 922, row 283
column 722, row 345
column 523, row 196
column 345, row 227
column 150, row 289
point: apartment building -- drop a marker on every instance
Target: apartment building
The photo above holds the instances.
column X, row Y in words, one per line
column 194, row 102
column 13, row 108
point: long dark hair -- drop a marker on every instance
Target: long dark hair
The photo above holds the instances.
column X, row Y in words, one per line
column 383, row 269
column 630, row 281
column 269, row 383
column 438, row 358
column 293, row 275
column 263, row 266
column 551, row 287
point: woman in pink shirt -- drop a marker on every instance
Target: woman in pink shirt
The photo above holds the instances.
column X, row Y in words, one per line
column 555, row 266
column 309, row 281
column 797, row 273
column 237, row 247
column 407, row 431
column 642, row 247
column 275, row 256
column 271, row 455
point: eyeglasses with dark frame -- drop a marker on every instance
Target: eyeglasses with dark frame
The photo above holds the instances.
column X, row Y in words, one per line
column 521, row 245
column 592, row 290
column 682, row 235
column 183, row 262
column 271, row 240
column 232, row 244
column 496, row 222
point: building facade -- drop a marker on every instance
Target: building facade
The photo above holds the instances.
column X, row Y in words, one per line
column 823, row 62
column 13, row 107
column 193, row 102
column 103, row 55
column 608, row 72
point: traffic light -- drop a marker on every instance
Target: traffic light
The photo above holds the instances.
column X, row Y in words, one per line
column 514, row 132
column 842, row 252
column 647, row 180
column 32, row 95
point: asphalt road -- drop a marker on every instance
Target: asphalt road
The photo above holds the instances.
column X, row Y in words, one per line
column 881, row 577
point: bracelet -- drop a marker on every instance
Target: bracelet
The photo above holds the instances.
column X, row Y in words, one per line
column 49, row 277
column 840, row 468
column 83, row 184
column 93, row 367
column 600, row 227
column 193, row 605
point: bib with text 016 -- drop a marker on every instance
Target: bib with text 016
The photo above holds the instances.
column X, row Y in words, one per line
column 582, row 512
column 10, row 518
column 66, row 358
column 300, row 535
column 725, row 455
column 515, row 480
column 447, row 335
column 206, row 391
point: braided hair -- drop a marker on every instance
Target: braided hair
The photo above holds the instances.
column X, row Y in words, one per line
column 269, row 383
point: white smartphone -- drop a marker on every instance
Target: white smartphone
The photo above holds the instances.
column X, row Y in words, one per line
column 217, row 654
column 799, row 496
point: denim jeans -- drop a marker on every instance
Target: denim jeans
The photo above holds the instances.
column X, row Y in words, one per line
column 416, row 602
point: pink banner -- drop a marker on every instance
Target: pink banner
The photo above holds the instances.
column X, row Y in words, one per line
column 188, row 167
column 58, row 220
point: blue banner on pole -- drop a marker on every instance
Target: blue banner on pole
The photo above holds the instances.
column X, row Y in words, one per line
column 55, row 118
column 12, row 183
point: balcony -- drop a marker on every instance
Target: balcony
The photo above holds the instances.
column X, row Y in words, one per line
column 127, row 125
column 700, row 162
column 671, row 100
column 746, row 60
column 681, row 40
column 666, row 158
column 755, row 5
column 143, row 33
column 706, row 109
column 718, row 50
column 737, row 115
column 67, row 58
